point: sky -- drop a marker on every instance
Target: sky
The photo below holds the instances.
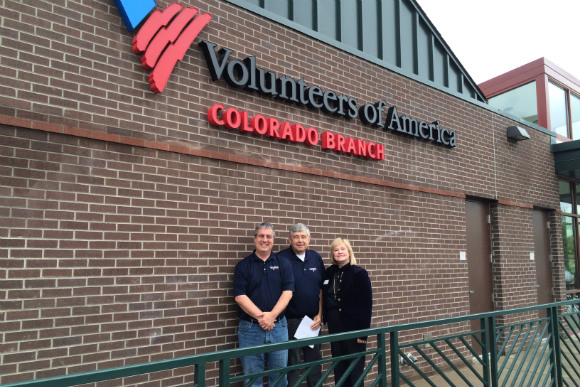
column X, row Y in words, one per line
column 492, row 37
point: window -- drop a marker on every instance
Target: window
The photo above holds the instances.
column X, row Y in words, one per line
column 577, row 199
column 575, row 110
column 570, row 206
column 566, row 197
column 520, row 102
column 558, row 110
column 564, row 112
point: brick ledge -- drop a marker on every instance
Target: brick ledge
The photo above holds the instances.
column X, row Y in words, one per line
column 118, row 139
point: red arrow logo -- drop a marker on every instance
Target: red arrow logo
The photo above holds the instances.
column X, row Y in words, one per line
column 164, row 40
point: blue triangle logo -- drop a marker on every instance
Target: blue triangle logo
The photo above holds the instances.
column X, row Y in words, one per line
column 134, row 11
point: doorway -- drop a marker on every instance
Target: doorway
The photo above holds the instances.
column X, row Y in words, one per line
column 479, row 257
column 479, row 265
column 542, row 257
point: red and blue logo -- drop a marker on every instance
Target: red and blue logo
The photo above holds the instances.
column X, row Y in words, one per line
column 164, row 37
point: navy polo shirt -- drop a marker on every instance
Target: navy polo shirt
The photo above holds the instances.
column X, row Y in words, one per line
column 307, row 283
column 262, row 281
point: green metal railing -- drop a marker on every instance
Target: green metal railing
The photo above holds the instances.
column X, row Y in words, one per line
column 533, row 346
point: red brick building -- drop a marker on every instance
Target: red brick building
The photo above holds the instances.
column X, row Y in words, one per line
column 123, row 211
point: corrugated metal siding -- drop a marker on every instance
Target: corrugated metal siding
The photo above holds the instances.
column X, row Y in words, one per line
column 396, row 33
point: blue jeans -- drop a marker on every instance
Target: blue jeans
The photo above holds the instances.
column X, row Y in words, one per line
column 251, row 334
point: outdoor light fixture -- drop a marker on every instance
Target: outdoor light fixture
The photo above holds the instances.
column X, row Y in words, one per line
column 517, row 134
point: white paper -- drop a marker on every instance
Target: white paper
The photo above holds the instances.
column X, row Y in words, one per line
column 304, row 330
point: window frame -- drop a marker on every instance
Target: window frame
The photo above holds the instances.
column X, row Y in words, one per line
column 568, row 94
column 575, row 217
column 571, row 116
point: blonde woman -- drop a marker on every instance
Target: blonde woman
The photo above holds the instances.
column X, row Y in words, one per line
column 348, row 303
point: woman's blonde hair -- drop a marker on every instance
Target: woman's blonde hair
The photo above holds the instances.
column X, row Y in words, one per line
column 337, row 242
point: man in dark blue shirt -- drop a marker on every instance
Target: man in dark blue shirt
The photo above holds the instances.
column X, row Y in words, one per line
column 308, row 270
column 263, row 286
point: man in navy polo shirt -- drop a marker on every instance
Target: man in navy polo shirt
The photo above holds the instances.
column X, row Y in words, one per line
column 263, row 286
column 308, row 270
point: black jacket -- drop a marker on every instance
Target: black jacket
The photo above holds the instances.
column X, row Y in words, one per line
column 354, row 297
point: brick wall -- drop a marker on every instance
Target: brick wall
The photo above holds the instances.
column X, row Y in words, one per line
column 124, row 212
column 513, row 241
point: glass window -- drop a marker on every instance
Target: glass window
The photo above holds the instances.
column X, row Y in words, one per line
column 565, row 197
column 577, row 199
column 570, row 204
column 558, row 110
column 575, row 110
column 520, row 102
column 569, row 246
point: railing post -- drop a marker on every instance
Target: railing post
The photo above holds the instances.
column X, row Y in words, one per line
column 484, row 350
column 382, row 366
column 199, row 375
column 224, row 372
column 394, row 345
column 489, row 344
column 556, row 358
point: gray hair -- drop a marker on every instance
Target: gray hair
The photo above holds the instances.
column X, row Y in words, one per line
column 299, row 227
column 265, row 225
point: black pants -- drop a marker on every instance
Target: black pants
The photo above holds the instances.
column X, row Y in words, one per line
column 295, row 354
column 345, row 347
